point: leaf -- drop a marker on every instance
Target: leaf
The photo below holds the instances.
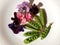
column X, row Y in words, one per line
column 30, row 39
column 43, row 17
column 31, row 33
column 46, row 31
column 34, row 24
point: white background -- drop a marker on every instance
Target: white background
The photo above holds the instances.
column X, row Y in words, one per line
column 2, row 4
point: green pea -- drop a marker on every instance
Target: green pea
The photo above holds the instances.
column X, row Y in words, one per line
column 26, row 41
column 43, row 36
column 35, row 37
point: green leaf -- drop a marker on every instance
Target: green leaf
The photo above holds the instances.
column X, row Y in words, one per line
column 30, row 39
column 46, row 31
column 43, row 17
column 30, row 33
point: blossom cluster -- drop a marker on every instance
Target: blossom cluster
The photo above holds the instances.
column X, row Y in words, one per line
column 26, row 12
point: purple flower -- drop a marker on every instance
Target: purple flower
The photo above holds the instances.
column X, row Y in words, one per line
column 23, row 6
column 16, row 28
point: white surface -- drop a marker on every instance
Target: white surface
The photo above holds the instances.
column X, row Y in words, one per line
column 7, row 7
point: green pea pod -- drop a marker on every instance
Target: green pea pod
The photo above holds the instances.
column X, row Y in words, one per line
column 37, row 20
column 31, row 33
column 43, row 17
column 29, row 28
column 30, row 39
column 34, row 24
column 46, row 31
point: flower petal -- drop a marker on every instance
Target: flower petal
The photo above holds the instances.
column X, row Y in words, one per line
column 15, row 29
column 20, row 15
column 24, row 4
column 28, row 16
column 20, row 28
column 23, row 21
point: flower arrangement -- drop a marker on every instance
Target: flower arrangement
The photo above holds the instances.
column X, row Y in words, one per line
column 27, row 18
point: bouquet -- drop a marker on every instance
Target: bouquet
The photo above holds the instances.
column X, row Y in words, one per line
column 32, row 17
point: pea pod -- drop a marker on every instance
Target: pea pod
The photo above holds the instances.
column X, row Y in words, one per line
column 37, row 20
column 30, row 27
column 31, row 33
column 43, row 17
column 30, row 39
column 46, row 31
column 34, row 24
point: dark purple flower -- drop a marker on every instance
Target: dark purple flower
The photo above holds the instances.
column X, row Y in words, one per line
column 23, row 6
column 34, row 10
column 16, row 28
column 15, row 19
